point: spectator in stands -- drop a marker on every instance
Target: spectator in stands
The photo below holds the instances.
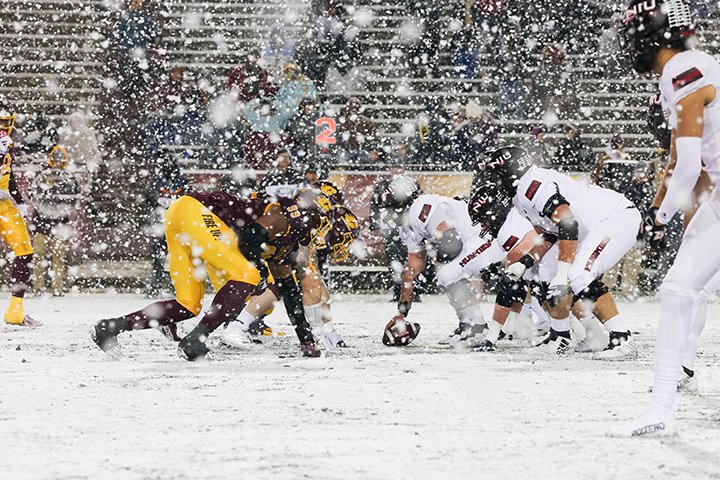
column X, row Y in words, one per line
column 312, row 175
column 609, row 53
column 611, row 169
column 239, row 182
column 137, row 29
column 333, row 43
column 466, row 53
column 572, row 154
column 295, row 88
column 301, row 130
column 489, row 16
column 536, row 147
column 551, row 84
column 400, row 156
column 179, row 110
column 80, row 141
column 38, row 136
column 511, row 73
column 424, row 54
column 249, row 80
column 475, row 136
column 432, row 145
column 283, row 178
column 55, row 195
column 168, row 184
column 278, row 50
column 356, row 133
column 267, row 135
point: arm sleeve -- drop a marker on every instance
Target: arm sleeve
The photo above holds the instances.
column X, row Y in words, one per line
column 681, row 183
column 292, row 299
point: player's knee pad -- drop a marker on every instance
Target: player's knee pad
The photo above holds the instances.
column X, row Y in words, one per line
column 592, row 292
column 461, row 295
column 510, row 291
column 448, row 274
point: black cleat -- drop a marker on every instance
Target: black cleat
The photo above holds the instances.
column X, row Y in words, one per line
column 310, row 349
column 556, row 342
column 484, row 346
column 193, row 347
column 105, row 333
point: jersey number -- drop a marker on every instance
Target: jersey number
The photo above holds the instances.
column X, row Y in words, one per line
column 327, row 136
column 5, row 168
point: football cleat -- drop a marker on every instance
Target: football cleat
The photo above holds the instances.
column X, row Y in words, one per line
column 235, row 335
column 310, row 349
column 332, row 340
column 104, row 335
column 192, row 347
column 484, row 346
column 686, row 384
column 259, row 328
column 26, row 321
column 557, row 343
column 650, row 424
column 170, row 332
column 620, row 348
column 464, row 332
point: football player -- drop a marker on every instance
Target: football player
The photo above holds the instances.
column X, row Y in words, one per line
column 311, row 270
column 657, row 37
column 432, row 223
column 594, row 228
column 243, row 244
column 12, row 225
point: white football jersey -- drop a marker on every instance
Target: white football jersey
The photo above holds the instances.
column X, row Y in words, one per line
column 685, row 73
column 515, row 227
column 589, row 204
column 425, row 215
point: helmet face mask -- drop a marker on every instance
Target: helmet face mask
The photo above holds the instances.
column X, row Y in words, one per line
column 504, row 167
column 345, row 226
column 7, row 117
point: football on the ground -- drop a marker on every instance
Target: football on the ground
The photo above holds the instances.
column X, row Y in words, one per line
column 399, row 332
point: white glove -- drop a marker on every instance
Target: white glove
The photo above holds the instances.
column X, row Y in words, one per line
column 5, row 143
column 559, row 284
column 516, row 270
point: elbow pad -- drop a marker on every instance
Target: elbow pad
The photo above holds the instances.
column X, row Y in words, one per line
column 251, row 240
column 568, row 229
column 683, row 179
column 449, row 246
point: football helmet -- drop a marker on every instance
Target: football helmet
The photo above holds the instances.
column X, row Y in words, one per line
column 489, row 207
column 657, row 122
column 503, row 168
column 652, row 24
column 330, row 190
column 7, row 116
column 345, row 227
column 399, row 193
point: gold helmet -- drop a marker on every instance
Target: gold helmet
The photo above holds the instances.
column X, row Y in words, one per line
column 7, row 116
column 344, row 229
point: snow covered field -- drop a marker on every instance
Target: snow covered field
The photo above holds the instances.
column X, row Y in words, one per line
column 370, row 412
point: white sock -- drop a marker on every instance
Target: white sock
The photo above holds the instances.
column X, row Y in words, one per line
column 313, row 313
column 586, row 320
column 560, row 325
column 616, row 324
column 493, row 331
column 675, row 319
column 246, row 318
column 472, row 314
column 693, row 339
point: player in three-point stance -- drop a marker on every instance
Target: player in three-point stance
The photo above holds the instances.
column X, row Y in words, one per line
column 594, row 228
column 245, row 245
column 12, row 225
column 656, row 36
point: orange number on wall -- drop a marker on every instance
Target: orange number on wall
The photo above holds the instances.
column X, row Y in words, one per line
column 327, row 136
